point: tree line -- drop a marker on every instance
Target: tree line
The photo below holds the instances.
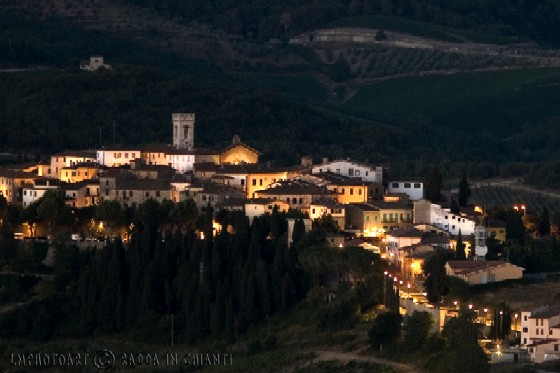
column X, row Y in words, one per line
column 216, row 286
column 268, row 19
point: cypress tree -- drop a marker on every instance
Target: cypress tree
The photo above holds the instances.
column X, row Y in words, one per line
column 229, row 320
column 464, row 191
column 544, row 226
column 460, row 249
column 433, row 185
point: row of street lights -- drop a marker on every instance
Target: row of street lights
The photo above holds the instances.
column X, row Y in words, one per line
column 486, row 313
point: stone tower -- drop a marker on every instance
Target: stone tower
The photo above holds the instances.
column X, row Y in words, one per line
column 183, row 130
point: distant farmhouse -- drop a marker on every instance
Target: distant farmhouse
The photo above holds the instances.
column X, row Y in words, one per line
column 95, row 63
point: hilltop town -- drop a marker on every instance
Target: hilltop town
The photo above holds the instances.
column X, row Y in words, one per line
column 359, row 203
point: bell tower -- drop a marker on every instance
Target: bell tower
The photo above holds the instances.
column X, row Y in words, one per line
column 183, row 130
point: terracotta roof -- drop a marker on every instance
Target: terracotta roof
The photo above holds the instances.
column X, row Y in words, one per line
column 289, row 188
column 233, row 202
column 143, row 184
column 466, row 267
column 234, row 145
column 363, row 206
column 336, row 179
column 156, row 148
column 118, row 148
column 382, row 205
column 215, row 188
column 405, row 232
column 545, row 312
column 431, row 239
column 18, row 174
column 83, row 164
column 260, row 201
column 363, row 164
column 541, row 342
column 328, row 203
column 77, row 153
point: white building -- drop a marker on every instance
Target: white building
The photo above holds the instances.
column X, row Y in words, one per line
column 181, row 160
column 414, row 189
column 426, row 212
column 95, row 63
column 33, row 192
column 116, row 157
column 348, row 168
column 260, row 206
column 540, row 333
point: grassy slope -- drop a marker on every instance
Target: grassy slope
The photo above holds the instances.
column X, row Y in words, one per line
column 497, row 102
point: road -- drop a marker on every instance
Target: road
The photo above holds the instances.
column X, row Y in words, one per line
column 325, row 355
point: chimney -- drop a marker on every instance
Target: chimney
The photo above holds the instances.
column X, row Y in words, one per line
column 325, row 160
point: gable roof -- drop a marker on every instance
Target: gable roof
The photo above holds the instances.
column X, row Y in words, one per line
column 240, row 144
column 468, row 267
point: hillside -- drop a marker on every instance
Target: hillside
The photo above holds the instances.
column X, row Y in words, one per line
column 426, row 93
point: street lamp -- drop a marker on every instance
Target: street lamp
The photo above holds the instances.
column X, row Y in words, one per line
column 407, row 291
column 455, row 303
column 470, row 306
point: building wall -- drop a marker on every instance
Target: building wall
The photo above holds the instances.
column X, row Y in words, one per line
column 75, row 175
column 337, row 214
column 395, row 218
column 204, row 158
column 239, row 154
column 116, row 158
column 496, row 274
column 351, row 169
column 261, row 181
column 77, row 198
column 299, row 202
column 33, row 194
column 499, row 233
column 155, row 158
column 350, row 194
column 414, row 189
column 58, row 162
column 426, row 212
column 131, row 197
column 533, row 329
column 181, row 162
column 253, row 210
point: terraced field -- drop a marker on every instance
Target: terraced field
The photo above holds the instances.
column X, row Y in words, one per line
column 498, row 102
column 505, row 197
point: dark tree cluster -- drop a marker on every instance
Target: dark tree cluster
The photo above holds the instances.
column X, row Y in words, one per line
column 216, row 286
column 267, row 19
